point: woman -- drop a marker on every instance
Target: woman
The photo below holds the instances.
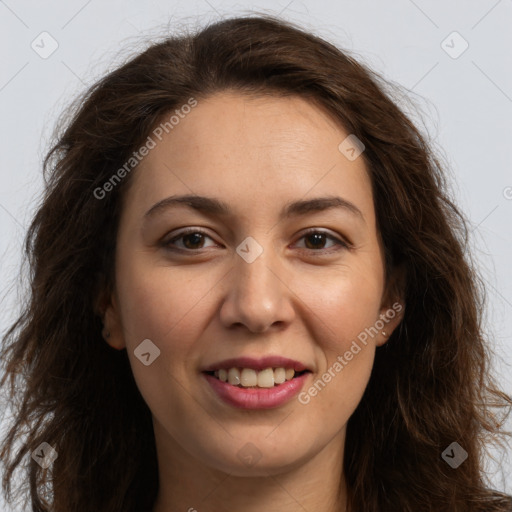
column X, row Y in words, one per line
column 191, row 343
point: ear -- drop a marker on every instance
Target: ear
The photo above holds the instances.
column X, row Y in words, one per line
column 106, row 306
column 392, row 305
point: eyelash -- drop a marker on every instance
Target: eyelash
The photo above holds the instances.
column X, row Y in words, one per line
column 340, row 243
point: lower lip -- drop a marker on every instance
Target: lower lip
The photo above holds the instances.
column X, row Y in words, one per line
column 257, row 398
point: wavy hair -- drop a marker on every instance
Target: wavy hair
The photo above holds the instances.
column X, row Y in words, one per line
column 431, row 383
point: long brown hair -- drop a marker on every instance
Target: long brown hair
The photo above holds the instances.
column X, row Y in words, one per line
column 430, row 385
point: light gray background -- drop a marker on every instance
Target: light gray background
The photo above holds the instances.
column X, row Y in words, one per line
column 467, row 103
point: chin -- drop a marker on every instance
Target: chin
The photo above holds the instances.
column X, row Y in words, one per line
column 251, row 461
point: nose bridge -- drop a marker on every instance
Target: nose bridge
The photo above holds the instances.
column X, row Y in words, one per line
column 256, row 296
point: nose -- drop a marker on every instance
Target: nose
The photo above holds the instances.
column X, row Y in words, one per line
column 257, row 296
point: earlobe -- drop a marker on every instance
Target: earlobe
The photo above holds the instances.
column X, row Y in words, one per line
column 392, row 306
column 389, row 320
column 109, row 311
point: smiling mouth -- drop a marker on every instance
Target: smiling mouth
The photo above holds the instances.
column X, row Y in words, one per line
column 249, row 378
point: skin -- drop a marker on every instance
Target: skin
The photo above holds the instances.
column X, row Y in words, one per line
column 301, row 298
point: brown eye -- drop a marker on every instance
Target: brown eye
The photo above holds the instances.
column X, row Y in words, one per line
column 316, row 240
column 191, row 240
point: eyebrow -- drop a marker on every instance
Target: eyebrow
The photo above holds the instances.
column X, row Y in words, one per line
column 215, row 207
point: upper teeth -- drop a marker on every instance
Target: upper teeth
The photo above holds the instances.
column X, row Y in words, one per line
column 247, row 377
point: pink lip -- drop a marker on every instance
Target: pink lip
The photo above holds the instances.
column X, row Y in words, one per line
column 256, row 398
column 256, row 364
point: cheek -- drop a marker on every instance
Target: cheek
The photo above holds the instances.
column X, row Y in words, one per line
column 344, row 352
column 346, row 309
column 347, row 304
column 157, row 300
column 162, row 304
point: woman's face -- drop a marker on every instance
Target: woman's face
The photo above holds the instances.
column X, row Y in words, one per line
column 251, row 284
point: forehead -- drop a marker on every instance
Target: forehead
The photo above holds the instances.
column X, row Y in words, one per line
column 260, row 151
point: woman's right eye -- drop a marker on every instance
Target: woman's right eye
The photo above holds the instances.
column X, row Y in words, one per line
column 190, row 238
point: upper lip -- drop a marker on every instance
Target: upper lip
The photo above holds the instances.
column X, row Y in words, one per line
column 257, row 364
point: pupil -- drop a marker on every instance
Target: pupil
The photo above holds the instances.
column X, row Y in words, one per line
column 195, row 236
column 318, row 237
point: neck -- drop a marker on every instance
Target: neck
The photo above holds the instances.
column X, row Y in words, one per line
column 186, row 484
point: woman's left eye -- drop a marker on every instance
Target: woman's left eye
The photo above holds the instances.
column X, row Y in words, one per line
column 190, row 239
column 318, row 238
